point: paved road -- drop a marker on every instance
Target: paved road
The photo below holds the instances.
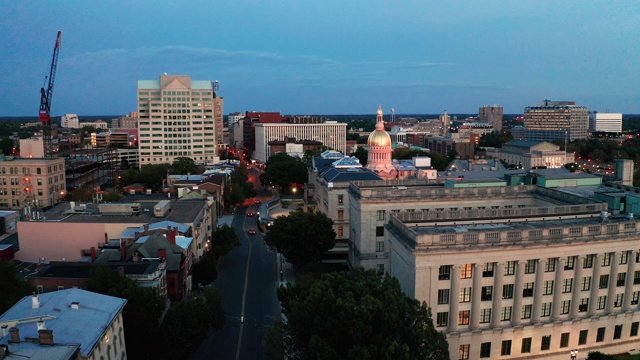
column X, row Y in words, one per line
column 247, row 280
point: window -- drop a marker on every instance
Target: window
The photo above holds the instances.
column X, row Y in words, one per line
column 443, row 296
column 488, row 269
column 527, row 291
column 510, row 268
column 485, row 316
column 526, row 312
column 586, row 283
column 545, row 310
column 624, row 258
column 40, row 289
column 621, row 278
column 548, row 288
column 600, row 334
column 617, row 332
column 602, row 302
column 567, row 284
column 551, row 265
column 618, row 302
column 565, row 305
column 604, row 281
column 584, row 305
column 582, row 338
column 442, row 319
column 464, row 352
column 60, row 287
column 634, row 328
column 570, row 264
column 588, row 261
column 445, row 272
column 379, row 246
column 564, row 340
column 463, row 317
column 486, row 293
column 505, row 313
column 526, row 346
column 380, row 268
column 340, row 214
column 379, row 230
column 380, row 215
column 634, row 297
column 530, row 267
column 465, row 294
column 606, row 259
column 636, row 277
column 505, row 349
column 507, row 291
column 341, row 199
column 485, row 350
column 545, row 344
column 465, row 271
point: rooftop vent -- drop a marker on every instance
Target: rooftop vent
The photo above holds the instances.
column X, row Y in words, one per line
column 41, row 325
column 75, row 305
column 35, row 301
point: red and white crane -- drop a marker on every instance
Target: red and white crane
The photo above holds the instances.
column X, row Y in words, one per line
column 45, row 101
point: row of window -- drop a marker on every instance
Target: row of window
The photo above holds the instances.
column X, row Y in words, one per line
column 545, row 342
column 466, row 270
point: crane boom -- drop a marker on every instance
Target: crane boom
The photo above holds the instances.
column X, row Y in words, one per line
column 45, row 101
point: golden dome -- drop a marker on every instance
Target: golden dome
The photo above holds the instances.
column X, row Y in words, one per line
column 379, row 138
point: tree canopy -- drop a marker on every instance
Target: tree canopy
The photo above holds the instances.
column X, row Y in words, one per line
column 6, row 144
column 495, row 139
column 13, row 287
column 302, row 237
column 224, row 239
column 239, row 188
column 184, row 166
column 356, row 315
column 283, row 170
column 362, row 155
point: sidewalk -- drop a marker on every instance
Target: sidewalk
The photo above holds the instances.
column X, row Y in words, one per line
column 285, row 271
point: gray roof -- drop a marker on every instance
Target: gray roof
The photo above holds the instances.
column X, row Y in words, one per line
column 85, row 325
column 149, row 246
column 332, row 174
column 524, row 143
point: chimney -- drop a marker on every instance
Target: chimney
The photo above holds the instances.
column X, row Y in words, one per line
column 162, row 253
column 171, row 235
column 5, row 330
column 121, row 271
column 146, row 229
column 75, row 305
column 106, row 238
column 35, row 301
column 123, row 251
column 45, row 337
column 41, row 325
column 135, row 257
column 15, row 335
column 93, row 254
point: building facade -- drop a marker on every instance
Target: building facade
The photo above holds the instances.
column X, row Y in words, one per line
column 530, row 154
column 177, row 117
column 331, row 133
column 31, row 183
column 70, row 121
column 605, row 122
column 492, row 115
column 552, row 120
column 519, row 272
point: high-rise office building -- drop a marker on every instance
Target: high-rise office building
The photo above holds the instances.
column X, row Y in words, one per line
column 491, row 115
column 551, row 120
column 177, row 117
column 70, row 121
column 446, row 122
column 605, row 122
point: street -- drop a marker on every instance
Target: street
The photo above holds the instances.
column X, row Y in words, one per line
column 248, row 280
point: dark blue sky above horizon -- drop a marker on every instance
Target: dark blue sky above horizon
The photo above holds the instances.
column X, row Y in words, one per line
column 325, row 57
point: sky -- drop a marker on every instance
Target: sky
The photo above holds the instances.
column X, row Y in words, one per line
column 325, row 57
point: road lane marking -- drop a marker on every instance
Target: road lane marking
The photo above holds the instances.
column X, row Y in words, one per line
column 244, row 295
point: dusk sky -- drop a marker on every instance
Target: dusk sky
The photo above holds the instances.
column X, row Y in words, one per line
column 325, row 57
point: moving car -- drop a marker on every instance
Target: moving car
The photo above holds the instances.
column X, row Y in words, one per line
column 252, row 231
column 249, row 214
column 257, row 201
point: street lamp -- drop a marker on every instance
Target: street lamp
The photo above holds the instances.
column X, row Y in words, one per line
column 574, row 354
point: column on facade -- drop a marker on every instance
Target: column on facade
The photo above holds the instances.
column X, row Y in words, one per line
column 595, row 282
column 454, row 298
column 577, row 288
column 628, row 286
column 613, row 277
column 498, row 276
column 537, row 290
column 476, row 296
column 557, row 290
column 516, row 318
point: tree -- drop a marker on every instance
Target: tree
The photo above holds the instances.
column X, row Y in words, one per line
column 141, row 315
column 154, row 175
column 302, row 237
column 362, row 155
column 224, row 239
column 357, row 315
column 13, row 287
column 597, row 355
column 113, row 195
column 183, row 166
column 283, row 170
column 187, row 324
column 6, row 144
column 124, row 164
column 205, row 272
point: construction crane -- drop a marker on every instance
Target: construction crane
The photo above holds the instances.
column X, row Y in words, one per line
column 45, row 102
